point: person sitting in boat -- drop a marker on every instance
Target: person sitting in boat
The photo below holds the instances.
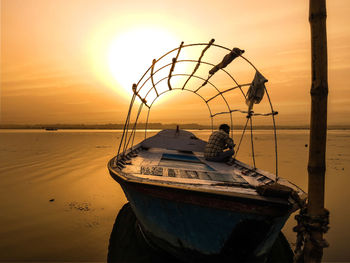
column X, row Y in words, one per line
column 220, row 146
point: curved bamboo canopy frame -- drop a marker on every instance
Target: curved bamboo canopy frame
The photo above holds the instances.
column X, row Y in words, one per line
column 147, row 85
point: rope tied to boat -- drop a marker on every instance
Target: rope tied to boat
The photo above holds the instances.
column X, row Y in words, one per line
column 306, row 224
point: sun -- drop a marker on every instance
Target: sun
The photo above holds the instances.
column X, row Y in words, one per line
column 131, row 53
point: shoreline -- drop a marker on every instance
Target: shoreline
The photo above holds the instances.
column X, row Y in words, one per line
column 151, row 126
column 150, row 129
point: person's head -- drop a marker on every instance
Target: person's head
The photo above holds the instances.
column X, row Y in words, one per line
column 225, row 128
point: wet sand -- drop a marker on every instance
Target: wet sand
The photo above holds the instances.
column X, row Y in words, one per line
column 58, row 202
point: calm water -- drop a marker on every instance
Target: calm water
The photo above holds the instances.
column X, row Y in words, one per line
column 69, row 168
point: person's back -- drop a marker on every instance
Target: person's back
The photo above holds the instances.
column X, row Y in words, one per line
column 218, row 142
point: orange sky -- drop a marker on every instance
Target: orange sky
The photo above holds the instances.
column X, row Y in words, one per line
column 66, row 61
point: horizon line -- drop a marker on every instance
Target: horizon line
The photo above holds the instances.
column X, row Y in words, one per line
column 156, row 125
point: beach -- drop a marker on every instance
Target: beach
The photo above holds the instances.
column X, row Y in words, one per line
column 59, row 203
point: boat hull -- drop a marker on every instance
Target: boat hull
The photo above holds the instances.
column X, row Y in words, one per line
column 199, row 226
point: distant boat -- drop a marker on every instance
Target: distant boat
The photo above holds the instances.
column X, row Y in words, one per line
column 51, row 129
column 195, row 209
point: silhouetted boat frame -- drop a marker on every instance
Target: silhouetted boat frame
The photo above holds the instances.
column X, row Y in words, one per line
column 193, row 208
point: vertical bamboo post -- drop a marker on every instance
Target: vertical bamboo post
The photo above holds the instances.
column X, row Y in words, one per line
column 318, row 124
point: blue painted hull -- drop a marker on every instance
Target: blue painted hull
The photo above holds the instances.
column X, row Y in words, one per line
column 192, row 227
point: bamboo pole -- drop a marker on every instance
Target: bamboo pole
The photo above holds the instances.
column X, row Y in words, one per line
column 318, row 125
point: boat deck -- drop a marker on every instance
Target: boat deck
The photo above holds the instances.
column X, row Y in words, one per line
column 192, row 171
column 178, row 161
column 158, row 163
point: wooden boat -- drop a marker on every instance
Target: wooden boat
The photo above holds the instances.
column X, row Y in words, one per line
column 195, row 209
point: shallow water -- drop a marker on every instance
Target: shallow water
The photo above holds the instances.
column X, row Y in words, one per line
column 69, row 167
